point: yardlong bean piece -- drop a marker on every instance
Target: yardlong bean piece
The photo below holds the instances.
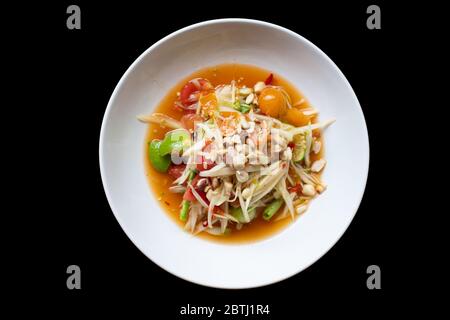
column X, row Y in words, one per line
column 272, row 208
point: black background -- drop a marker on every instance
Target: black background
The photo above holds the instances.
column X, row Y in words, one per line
column 74, row 72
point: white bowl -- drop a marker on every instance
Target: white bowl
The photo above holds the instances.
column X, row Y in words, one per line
column 121, row 153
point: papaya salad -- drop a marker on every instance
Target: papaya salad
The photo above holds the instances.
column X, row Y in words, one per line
column 239, row 153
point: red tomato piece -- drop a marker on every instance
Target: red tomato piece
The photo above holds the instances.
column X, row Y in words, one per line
column 297, row 188
column 188, row 89
column 205, row 84
column 190, row 93
column 202, row 195
column 188, row 195
column 175, row 171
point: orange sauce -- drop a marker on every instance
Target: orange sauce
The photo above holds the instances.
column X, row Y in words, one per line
column 247, row 75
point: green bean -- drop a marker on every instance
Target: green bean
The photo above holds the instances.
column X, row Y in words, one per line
column 272, row 208
column 239, row 215
column 192, row 175
column 185, row 205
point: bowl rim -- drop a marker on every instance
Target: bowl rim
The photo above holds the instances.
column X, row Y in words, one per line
column 308, row 43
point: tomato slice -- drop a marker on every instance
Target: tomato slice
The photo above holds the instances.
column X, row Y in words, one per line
column 188, row 195
column 297, row 188
column 185, row 94
column 202, row 195
column 175, row 171
column 205, row 84
column 190, row 93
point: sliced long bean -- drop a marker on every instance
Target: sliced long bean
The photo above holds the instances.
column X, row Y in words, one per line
column 192, row 175
column 272, row 208
column 185, row 205
column 239, row 215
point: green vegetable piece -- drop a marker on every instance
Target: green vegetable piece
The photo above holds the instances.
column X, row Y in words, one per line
column 245, row 108
column 185, row 205
column 239, row 215
column 300, row 148
column 242, row 107
column 192, row 175
column 175, row 140
column 272, row 208
column 298, row 154
column 160, row 163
